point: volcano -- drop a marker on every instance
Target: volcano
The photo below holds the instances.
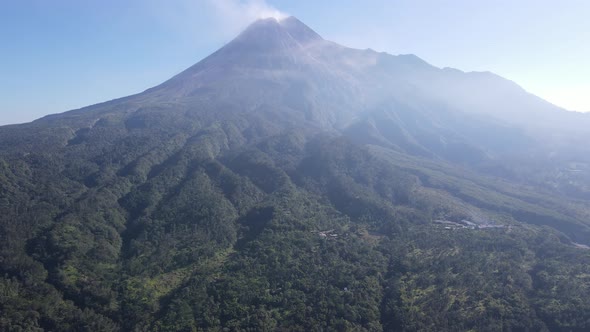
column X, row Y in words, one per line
column 289, row 183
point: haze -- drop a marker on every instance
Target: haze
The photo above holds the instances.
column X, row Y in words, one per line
column 61, row 55
column 287, row 182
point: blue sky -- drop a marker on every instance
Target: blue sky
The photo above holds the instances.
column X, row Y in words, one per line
column 64, row 54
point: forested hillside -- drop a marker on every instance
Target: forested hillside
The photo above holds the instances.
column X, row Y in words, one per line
column 267, row 188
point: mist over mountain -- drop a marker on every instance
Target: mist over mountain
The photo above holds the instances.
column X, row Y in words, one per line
column 286, row 182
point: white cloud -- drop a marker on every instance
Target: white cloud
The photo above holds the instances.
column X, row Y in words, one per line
column 213, row 19
column 234, row 15
column 249, row 10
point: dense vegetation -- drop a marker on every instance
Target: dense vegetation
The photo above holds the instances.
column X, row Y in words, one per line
column 215, row 228
column 277, row 187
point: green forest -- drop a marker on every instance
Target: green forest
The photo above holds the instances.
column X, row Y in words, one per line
column 288, row 183
column 124, row 225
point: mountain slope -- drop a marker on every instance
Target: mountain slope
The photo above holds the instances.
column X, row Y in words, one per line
column 289, row 183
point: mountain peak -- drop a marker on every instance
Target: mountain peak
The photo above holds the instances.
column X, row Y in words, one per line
column 298, row 30
column 270, row 33
column 268, row 43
